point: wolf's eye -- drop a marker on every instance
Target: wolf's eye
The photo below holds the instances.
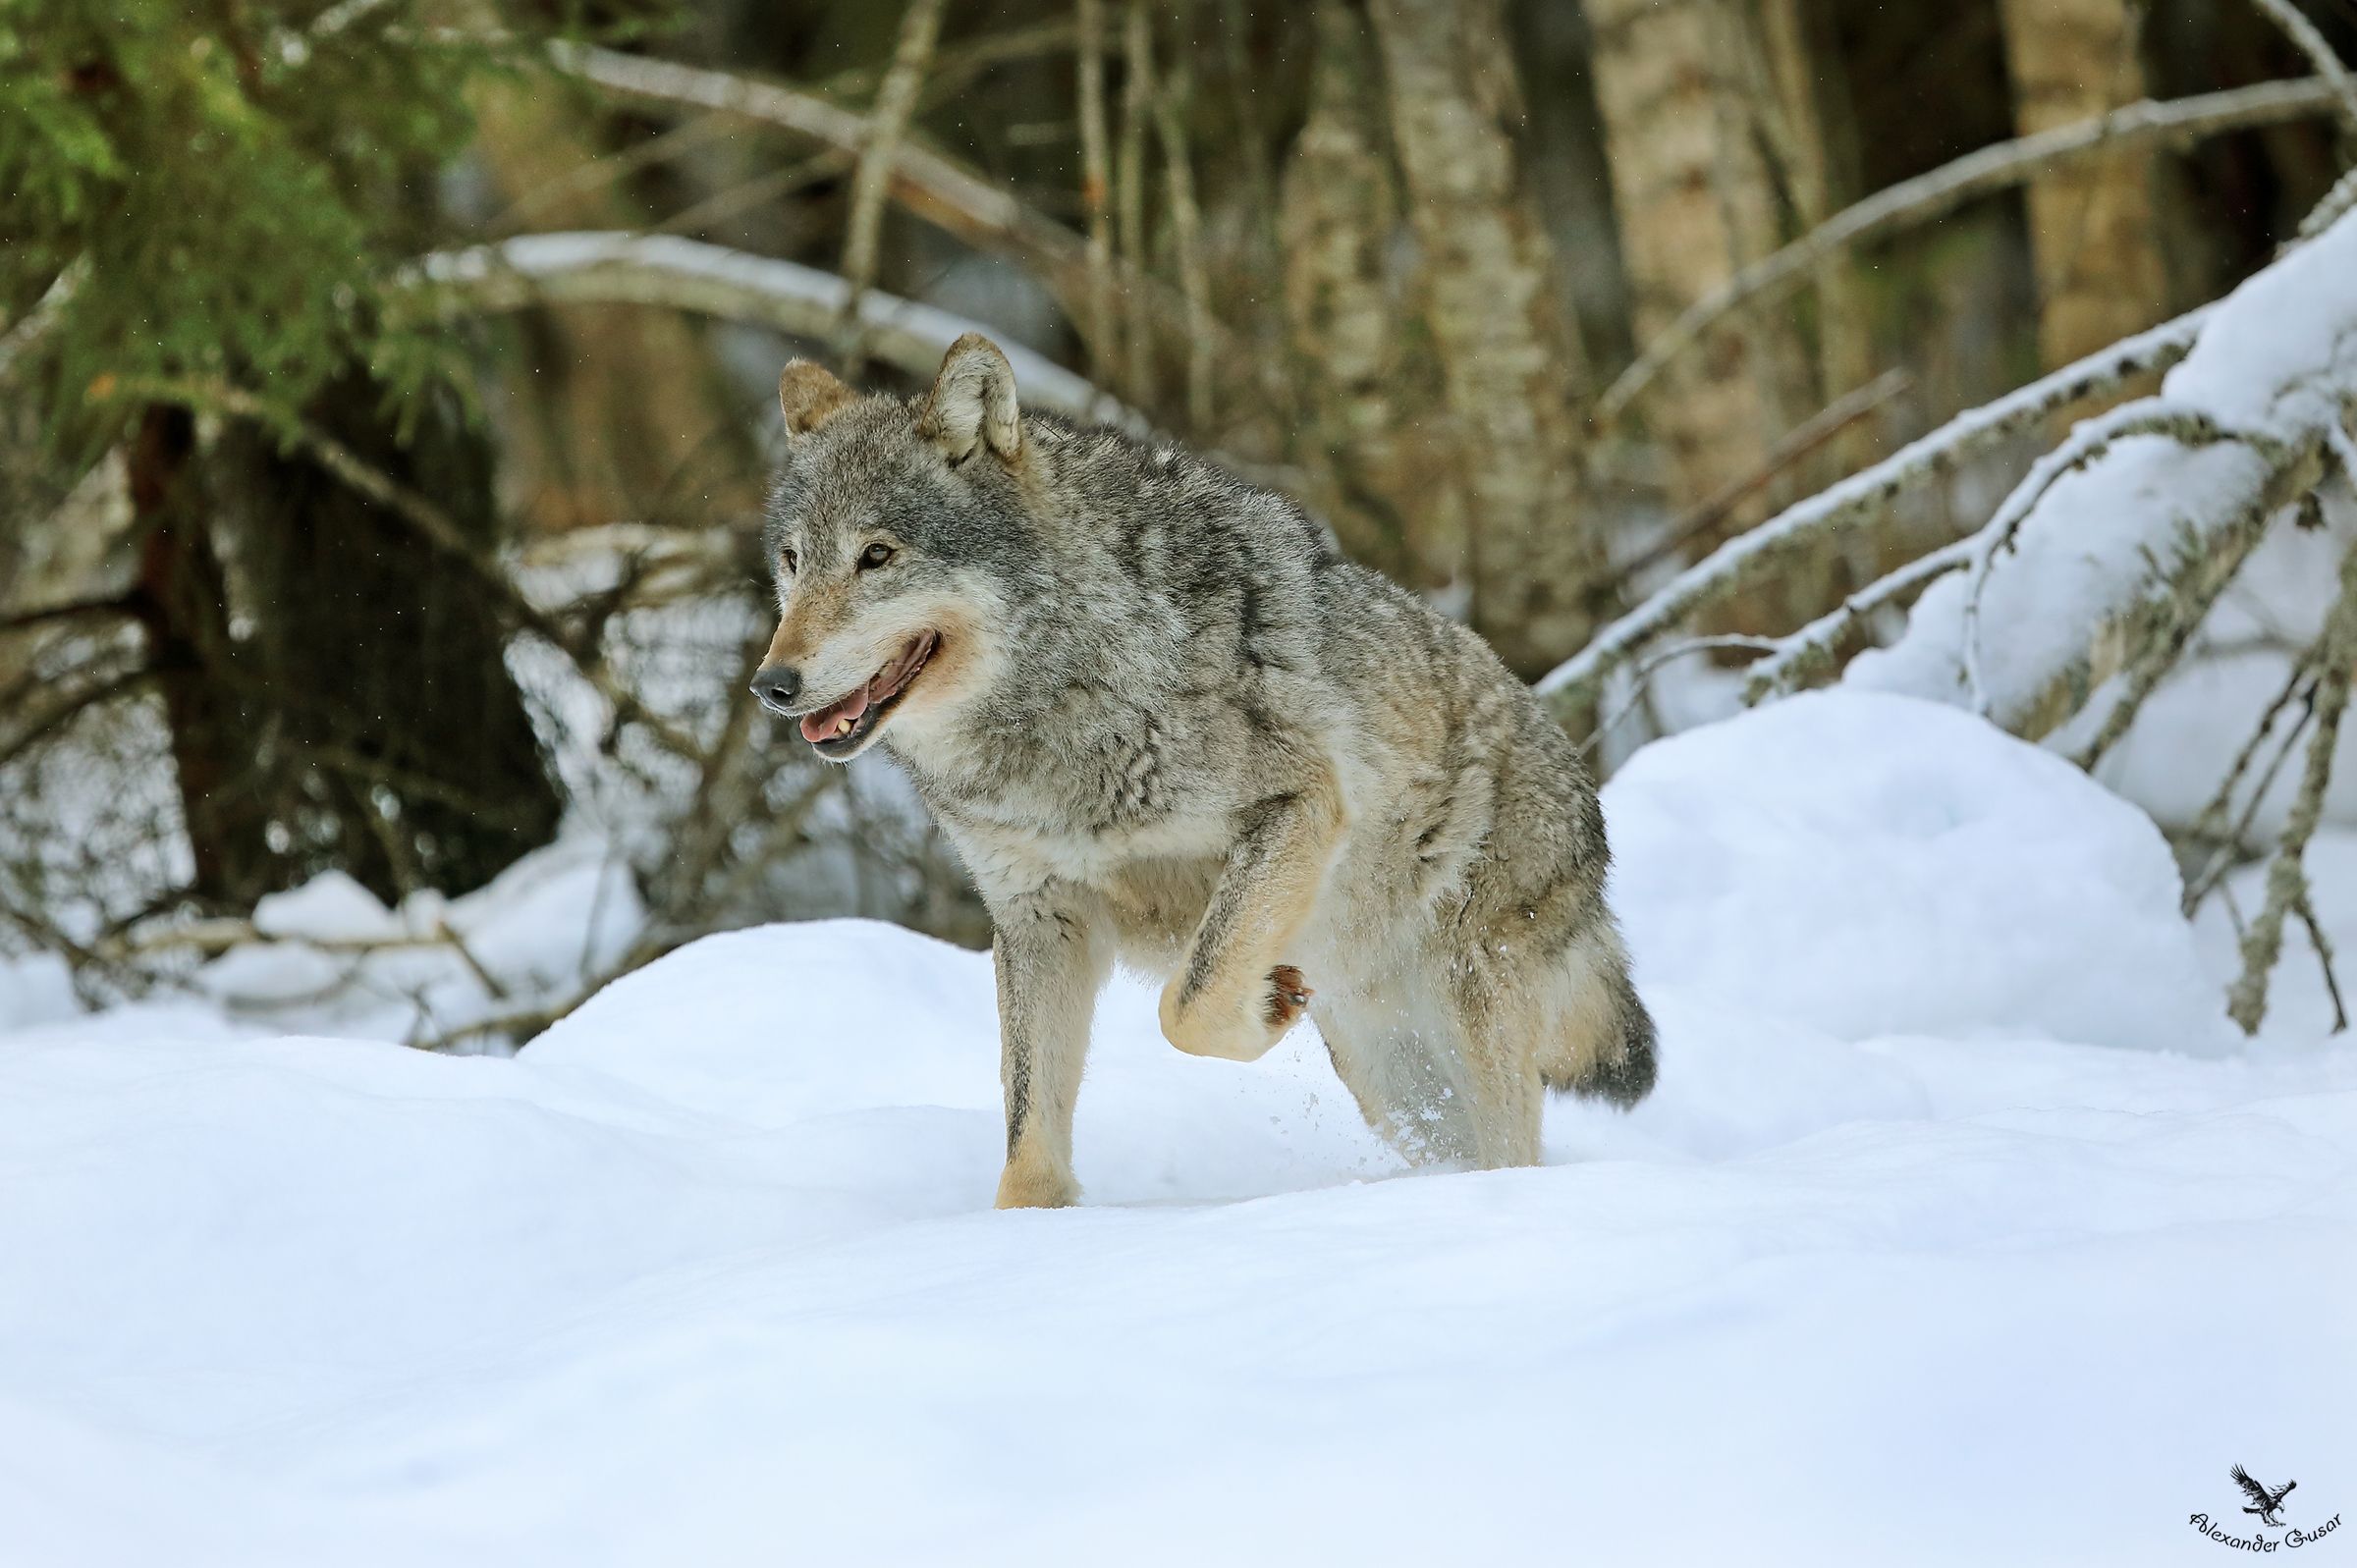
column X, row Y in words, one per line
column 792, row 557
column 875, row 554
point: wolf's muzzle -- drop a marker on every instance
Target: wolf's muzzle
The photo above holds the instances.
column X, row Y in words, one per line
column 777, row 686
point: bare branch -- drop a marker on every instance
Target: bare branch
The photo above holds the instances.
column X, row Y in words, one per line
column 2287, row 880
column 930, row 185
column 1933, row 196
column 895, row 101
column 1797, row 443
column 429, row 521
column 2211, row 875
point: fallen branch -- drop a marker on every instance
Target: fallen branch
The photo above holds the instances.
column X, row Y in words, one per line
column 1933, row 196
column 2089, row 442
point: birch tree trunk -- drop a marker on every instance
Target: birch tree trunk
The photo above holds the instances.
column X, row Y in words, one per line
column 1392, row 490
column 2092, row 231
column 1510, row 366
column 1697, row 200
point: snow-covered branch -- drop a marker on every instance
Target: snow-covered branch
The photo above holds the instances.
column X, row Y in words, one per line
column 1859, row 502
column 2304, row 37
column 666, row 270
column 2103, row 555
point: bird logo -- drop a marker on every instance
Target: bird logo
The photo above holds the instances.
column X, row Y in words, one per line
column 2266, row 1501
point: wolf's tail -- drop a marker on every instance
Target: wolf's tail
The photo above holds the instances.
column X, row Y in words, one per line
column 1623, row 1068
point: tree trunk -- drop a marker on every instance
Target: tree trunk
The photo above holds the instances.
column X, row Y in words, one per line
column 2099, row 264
column 1392, row 490
column 180, row 599
column 1697, row 200
column 1509, row 367
column 390, row 740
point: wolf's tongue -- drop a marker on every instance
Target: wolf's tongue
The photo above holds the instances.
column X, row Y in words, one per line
column 820, row 725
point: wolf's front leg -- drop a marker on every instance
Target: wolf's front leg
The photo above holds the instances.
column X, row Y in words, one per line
column 1051, row 956
column 1234, row 997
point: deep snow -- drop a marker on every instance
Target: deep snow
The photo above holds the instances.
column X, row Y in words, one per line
column 1960, row 1230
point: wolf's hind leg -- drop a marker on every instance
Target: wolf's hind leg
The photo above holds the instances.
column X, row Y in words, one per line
column 1227, row 998
column 1499, row 1026
column 1402, row 1060
column 1051, row 956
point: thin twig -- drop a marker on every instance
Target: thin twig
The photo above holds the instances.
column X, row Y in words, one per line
column 1096, row 174
column 2212, row 815
column 770, row 186
column 428, row 519
column 2287, row 880
column 1807, row 655
column 1186, row 236
column 1797, row 443
column 895, row 101
column 1641, row 677
column 2306, row 910
column 2310, row 42
column 930, row 185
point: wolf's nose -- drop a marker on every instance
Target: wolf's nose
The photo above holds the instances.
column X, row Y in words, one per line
column 777, row 686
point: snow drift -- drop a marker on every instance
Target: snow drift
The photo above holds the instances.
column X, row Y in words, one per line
column 1945, row 1237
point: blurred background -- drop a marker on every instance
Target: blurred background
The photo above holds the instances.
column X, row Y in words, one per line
column 387, row 389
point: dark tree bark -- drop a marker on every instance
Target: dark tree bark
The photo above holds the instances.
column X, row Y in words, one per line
column 371, row 673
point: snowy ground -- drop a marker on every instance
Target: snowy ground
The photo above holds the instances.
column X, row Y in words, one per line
column 1960, row 1230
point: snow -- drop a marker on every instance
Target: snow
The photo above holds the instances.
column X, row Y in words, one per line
column 1956, row 1232
column 340, row 963
column 2274, row 361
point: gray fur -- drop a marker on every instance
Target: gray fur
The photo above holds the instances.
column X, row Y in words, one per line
column 1167, row 723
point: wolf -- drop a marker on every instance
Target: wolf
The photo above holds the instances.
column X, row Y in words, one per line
column 1165, row 723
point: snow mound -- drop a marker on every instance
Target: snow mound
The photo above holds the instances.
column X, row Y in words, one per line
column 708, row 1274
column 1873, row 865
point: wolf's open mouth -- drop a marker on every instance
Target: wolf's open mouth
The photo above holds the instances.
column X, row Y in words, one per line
column 839, row 728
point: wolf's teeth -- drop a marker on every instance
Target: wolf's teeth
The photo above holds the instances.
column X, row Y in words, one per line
column 843, row 727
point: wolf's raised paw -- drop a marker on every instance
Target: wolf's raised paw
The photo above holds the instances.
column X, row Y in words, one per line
column 1289, row 996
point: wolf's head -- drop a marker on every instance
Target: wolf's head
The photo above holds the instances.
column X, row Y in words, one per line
column 893, row 530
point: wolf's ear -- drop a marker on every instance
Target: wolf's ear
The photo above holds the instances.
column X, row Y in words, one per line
column 810, row 396
column 973, row 403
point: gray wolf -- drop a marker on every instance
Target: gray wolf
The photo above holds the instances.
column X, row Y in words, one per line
column 1165, row 723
